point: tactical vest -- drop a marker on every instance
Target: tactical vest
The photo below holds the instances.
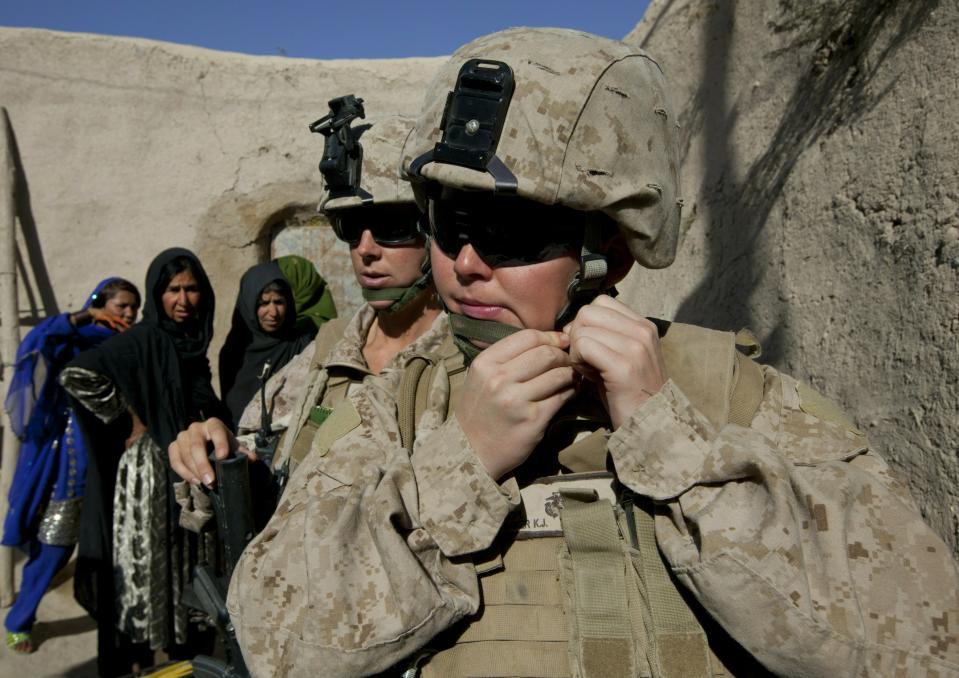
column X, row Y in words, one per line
column 578, row 588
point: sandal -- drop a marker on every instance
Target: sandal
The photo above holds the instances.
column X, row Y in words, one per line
column 20, row 642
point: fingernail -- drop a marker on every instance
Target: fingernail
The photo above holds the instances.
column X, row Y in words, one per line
column 194, row 481
column 207, row 480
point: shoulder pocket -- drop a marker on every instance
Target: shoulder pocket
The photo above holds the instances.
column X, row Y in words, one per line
column 815, row 430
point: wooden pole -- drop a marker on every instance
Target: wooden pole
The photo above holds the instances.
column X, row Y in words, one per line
column 9, row 336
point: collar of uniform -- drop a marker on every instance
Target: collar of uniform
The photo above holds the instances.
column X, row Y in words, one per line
column 427, row 344
column 348, row 352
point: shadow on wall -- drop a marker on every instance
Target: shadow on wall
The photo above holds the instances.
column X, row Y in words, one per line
column 832, row 91
column 32, row 276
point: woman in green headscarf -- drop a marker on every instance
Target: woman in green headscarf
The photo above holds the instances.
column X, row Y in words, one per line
column 314, row 303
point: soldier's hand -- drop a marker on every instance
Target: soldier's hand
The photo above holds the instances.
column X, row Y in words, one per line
column 189, row 452
column 618, row 349
column 511, row 393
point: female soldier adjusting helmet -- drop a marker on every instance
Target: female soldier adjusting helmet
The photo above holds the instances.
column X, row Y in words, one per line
column 596, row 496
column 586, row 129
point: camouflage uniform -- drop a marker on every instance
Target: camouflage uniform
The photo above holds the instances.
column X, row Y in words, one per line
column 283, row 390
column 343, row 369
column 786, row 531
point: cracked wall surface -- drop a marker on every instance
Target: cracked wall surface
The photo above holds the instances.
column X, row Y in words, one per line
column 820, row 145
column 819, row 148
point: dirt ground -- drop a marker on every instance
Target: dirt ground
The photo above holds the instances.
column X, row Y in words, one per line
column 66, row 635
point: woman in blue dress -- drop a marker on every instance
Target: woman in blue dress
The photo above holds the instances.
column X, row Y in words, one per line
column 48, row 484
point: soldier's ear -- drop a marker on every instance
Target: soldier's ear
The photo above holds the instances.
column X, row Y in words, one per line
column 619, row 261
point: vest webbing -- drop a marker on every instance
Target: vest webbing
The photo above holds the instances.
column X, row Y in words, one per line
column 601, row 635
column 413, row 391
column 747, row 391
column 679, row 645
column 610, row 607
column 336, row 388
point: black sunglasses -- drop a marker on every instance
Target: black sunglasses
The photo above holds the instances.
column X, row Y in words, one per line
column 504, row 230
column 388, row 224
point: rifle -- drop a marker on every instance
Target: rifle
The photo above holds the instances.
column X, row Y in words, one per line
column 233, row 508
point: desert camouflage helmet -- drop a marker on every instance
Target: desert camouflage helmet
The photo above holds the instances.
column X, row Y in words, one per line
column 380, row 178
column 589, row 126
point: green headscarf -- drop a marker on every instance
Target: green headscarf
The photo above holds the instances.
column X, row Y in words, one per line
column 314, row 303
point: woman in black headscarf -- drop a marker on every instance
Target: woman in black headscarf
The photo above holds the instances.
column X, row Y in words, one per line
column 264, row 331
column 135, row 391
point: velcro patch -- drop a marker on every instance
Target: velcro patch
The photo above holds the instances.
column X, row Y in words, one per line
column 343, row 419
column 542, row 500
column 319, row 414
column 816, row 404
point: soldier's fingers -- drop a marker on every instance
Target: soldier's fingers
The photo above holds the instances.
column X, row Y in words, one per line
column 596, row 315
column 606, row 301
column 221, row 437
column 618, row 358
column 548, row 384
column 197, row 454
column 534, row 362
column 177, row 452
column 551, row 405
column 516, row 344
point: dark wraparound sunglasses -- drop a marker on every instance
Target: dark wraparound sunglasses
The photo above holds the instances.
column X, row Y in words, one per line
column 505, row 231
column 388, row 224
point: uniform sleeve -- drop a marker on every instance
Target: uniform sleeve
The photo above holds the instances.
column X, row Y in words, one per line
column 795, row 537
column 354, row 573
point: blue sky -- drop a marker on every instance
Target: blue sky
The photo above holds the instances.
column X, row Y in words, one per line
column 323, row 29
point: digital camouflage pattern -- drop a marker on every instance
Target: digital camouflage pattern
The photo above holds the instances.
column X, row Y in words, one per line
column 283, row 390
column 308, row 385
column 790, row 533
column 589, row 126
column 382, row 140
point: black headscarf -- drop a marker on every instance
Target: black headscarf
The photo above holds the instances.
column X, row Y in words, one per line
column 248, row 346
column 159, row 365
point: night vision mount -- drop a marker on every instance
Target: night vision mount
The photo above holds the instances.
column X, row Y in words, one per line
column 342, row 152
column 473, row 121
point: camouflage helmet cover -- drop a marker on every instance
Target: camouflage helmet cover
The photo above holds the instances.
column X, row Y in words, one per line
column 382, row 141
column 589, row 126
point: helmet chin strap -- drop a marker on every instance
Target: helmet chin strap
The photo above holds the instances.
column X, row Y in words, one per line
column 464, row 329
column 585, row 286
column 401, row 296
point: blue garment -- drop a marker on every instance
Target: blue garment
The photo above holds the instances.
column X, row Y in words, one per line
column 39, row 412
column 39, row 570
